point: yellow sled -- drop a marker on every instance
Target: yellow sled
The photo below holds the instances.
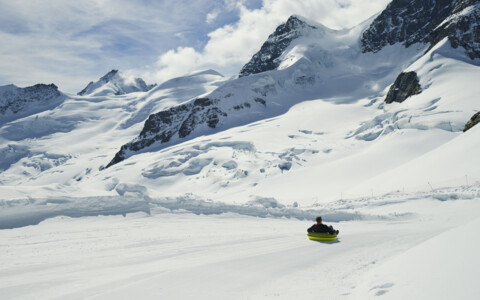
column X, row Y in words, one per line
column 322, row 237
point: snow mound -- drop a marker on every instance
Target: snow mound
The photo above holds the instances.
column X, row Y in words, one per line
column 430, row 270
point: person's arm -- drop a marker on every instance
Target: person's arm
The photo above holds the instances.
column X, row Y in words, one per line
column 310, row 229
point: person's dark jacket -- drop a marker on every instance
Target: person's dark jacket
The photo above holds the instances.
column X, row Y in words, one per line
column 322, row 228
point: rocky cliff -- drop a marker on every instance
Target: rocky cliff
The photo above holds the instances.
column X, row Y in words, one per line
column 426, row 21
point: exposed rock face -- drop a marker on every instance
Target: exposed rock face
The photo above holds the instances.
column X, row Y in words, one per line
column 18, row 102
column 277, row 42
column 462, row 28
column 178, row 121
column 407, row 22
column 405, row 85
column 472, row 122
column 426, row 21
column 114, row 83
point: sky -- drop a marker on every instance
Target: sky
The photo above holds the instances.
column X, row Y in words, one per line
column 70, row 43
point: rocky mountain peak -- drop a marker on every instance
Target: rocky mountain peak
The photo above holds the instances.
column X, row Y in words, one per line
column 109, row 76
column 293, row 24
column 277, row 42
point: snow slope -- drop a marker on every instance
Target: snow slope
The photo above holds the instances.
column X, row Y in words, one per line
column 447, row 274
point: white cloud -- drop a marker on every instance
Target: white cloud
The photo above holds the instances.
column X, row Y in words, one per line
column 232, row 45
column 211, row 16
column 180, row 61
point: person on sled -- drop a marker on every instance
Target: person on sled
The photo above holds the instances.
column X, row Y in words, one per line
column 322, row 228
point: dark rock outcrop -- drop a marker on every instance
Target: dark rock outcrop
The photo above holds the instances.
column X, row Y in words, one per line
column 179, row 121
column 472, row 122
column 405, row 85
column 426, row 21
column 277, row 42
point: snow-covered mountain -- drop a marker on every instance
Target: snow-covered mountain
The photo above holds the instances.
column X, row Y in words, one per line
column 383, row 80
column 18, row 102
column 78, row 134
column 312, row 59
column 115, row 83
column 307, row 62
column 385, row 88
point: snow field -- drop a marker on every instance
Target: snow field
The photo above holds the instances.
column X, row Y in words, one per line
column 230, row 256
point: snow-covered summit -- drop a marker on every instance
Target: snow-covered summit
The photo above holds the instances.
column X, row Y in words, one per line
column 115, row 83
column 267, row 57
column 18, row 102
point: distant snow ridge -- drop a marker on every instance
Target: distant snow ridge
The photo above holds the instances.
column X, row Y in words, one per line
column 267, row 58
column 115, row 83
column 418, row 21
column 200, row 77
column 18, row 102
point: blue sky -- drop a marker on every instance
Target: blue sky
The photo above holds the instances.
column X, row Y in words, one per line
column 70, row 43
